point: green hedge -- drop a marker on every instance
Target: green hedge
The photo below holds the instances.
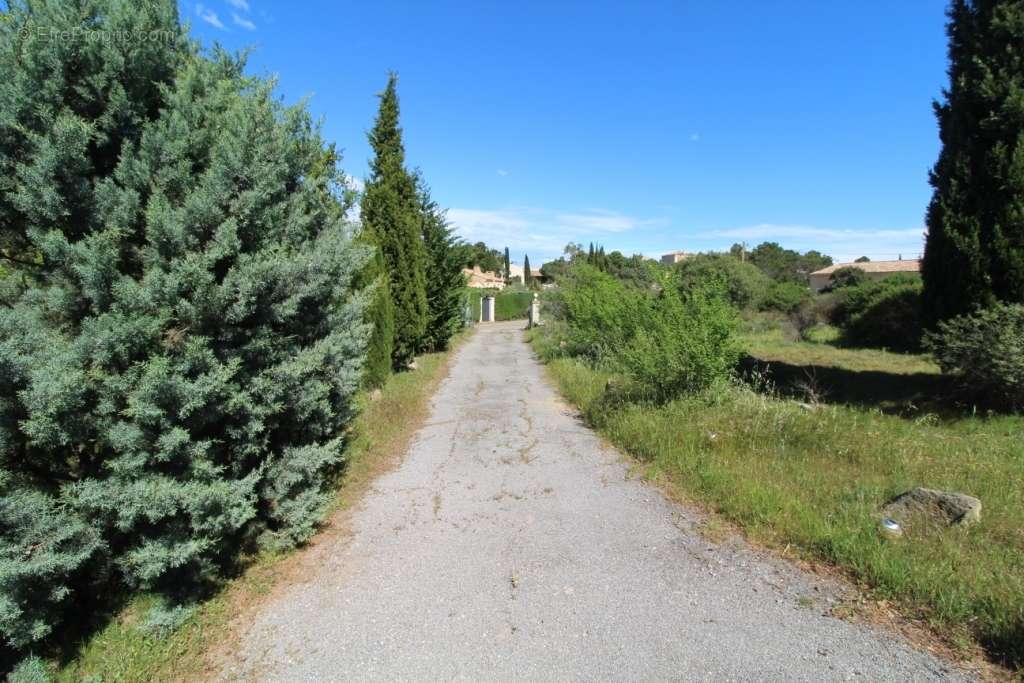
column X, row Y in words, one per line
column 513, row 305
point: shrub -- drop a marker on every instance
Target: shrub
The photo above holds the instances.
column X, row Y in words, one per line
column 785, row 297
column 178, row 371
column 601, row 313
column 848, row 276
column 44, row 551
column 744, row 284
column 984, row 352
column 882, row 314
column 686, row 344
column 668, row 343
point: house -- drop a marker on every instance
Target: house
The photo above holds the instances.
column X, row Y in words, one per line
column 483, row 279
column 673, row 258
column 876, row 270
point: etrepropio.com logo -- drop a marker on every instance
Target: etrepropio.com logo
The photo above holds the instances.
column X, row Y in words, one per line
column 87, row 34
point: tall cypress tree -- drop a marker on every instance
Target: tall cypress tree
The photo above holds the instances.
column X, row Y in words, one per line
column 974, row 252
column 380, row 313
column 527, row 275
column 508, row 266
column 390, row 214
column 445, row 281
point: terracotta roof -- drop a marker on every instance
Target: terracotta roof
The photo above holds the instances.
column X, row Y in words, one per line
column 912, row 265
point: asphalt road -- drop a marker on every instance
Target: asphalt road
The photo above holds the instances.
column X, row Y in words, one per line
column 511, row 543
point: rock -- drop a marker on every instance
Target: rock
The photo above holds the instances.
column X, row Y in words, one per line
column 376, row 395
column 942, row 507
column 413, row 365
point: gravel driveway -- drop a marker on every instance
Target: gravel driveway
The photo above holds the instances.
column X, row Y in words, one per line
column 512, row 544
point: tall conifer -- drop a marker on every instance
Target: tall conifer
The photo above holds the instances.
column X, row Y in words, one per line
column 974, row 253
column 445, row 281
column 390, row 214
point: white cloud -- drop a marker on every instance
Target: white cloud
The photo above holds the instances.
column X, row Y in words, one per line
column 502, row 172
column 239, row 4
column 694, row 137
column 602, row 220
column 209, row 16
column 243, row 22
column 542, row 233
column 842, row 244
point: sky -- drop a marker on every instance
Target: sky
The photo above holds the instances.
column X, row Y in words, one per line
column 647, row 127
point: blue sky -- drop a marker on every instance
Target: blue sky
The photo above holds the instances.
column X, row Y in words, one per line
column 645, row 126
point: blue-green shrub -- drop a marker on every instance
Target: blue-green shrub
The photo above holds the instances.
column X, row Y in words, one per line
column 179, row 358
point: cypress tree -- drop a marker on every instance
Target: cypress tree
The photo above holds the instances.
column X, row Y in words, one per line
column 527, row 275
column 508, row 266
column 390, row 214
column 445, row 281
column 974, row 251
column 178, row 367
column 380, row 313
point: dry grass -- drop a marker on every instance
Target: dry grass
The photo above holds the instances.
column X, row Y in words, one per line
column 380, row 435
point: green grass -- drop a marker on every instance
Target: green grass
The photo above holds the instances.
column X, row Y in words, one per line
column 814, row 481
column 122, row 652
column 821, row 370
column 764, row 337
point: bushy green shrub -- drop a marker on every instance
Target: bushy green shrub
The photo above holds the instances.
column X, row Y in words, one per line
column 668, row 343
column 848, row 276
column 745, row 284
column 178, row 368
column 686, row 344
column 882, row 314
column 602, row 313
column 985, row 353
column 785, row 297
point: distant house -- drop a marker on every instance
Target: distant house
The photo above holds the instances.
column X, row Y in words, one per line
column 515, row 272
column 673, row 258
column 876, row 270
column 483, row 279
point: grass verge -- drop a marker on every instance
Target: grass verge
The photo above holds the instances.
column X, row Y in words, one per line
column 122, row 652
column 813, row 480
column 764, row 338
